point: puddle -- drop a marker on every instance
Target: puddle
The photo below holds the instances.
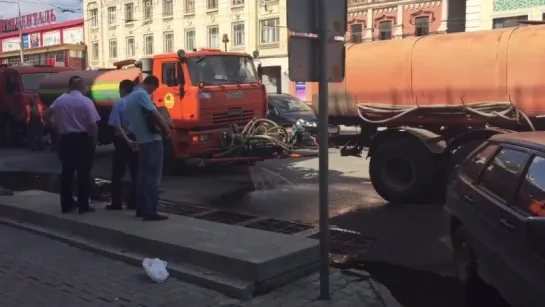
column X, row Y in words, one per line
column 48, row 182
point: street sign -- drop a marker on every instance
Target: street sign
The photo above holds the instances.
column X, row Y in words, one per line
column 304, row 56
column 302, row 16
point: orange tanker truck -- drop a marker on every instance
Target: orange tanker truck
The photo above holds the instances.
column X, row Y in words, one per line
column 213, row 100
column 424, row 103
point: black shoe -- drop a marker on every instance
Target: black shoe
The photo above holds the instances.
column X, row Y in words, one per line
column 86, row 210
column 156, row 217
column 112, row 207
column 68, row 210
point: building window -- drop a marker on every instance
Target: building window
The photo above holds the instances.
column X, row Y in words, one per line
column 422, row 26
column 148, row 44
column 190, row 39
column 238, row 34
column 129, row 12
column 189, row 6
column 168, row 42
column 94, row 51
column 94, row 18
column 507, row 22
column 213, row 37
column 211, row 4
column 113, row 48
column 237, row 2
column 385, row 30
column 112, row 20
column 168, row 9
column 148, row 9
column 356, row 33
column 270, row 32
column 130, row 46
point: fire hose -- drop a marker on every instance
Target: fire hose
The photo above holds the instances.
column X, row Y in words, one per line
column 259, row 131
column 504, row 110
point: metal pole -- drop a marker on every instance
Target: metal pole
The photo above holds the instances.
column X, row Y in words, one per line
column 324, row 152
column 20, row 26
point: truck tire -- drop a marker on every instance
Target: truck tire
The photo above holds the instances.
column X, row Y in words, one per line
column 404, row 171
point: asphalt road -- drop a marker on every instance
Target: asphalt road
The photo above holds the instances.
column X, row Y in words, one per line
column 412, row 255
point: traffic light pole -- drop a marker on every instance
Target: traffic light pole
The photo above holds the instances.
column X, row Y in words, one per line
column 323, row 37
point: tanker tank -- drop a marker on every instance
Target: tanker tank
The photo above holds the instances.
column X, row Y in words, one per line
column 102, row 85
column 448, row 79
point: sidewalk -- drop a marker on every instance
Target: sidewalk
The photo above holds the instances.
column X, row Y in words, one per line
column 237, row 261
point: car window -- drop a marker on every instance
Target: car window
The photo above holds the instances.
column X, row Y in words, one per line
column 289, row 104
column 502, row 172
column 531, row 196
column 473, row 166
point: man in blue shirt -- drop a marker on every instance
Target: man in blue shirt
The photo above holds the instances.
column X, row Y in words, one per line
column 143, row 116
column 126, row 151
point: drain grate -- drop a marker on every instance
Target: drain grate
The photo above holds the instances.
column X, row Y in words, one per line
column 346, row 242
column 279, row 226
column 226, row 217
column 177, row 209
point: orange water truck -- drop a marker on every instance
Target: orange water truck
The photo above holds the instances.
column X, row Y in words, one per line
column 213, row 100
column 422, row 104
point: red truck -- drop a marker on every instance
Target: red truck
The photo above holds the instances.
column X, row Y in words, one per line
column 18, row 86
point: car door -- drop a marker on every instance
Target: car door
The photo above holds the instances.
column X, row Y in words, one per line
column 528, row 216
column 495, row 237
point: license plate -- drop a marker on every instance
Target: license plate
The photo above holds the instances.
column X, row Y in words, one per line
column 333, row 129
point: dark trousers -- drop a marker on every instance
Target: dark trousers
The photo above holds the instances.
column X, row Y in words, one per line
column 123, row 157
column 77, row 151
column 150, row 170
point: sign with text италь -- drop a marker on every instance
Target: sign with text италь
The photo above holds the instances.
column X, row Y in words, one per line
column 28, row 21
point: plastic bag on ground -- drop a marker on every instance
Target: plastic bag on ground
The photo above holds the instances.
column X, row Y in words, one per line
column 156, row 269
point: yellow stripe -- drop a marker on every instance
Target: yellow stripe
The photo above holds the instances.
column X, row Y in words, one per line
column 107, row 87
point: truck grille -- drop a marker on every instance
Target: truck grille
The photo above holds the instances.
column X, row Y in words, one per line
column 233, row 115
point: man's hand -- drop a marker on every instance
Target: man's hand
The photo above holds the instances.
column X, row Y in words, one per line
column 133, row 145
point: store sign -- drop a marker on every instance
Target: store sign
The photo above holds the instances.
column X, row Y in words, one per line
column 51, row 38
column 28, row 21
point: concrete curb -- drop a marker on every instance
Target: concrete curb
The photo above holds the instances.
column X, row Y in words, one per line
column 222, row 270
column 234, row 288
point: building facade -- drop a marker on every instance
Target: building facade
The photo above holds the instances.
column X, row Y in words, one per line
column 496, row 14
column 118, row 30
column 59, row 44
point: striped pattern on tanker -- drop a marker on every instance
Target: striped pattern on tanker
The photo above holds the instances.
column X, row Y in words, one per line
column 103, row 85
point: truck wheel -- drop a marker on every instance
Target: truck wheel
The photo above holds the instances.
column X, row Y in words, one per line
column 404, row 171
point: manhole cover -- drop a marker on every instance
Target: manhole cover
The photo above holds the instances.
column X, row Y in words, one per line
column 279, row 226
column 177, row 209
column 226, row 217
column 346, row 242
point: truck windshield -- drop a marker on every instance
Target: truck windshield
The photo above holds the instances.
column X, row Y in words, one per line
column 221, row 69
column 31, row 82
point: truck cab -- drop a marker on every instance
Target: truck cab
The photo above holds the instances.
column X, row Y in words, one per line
column 203, row 93
column 18, row 86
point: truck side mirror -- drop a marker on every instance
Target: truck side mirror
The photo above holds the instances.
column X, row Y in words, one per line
column 260, row 72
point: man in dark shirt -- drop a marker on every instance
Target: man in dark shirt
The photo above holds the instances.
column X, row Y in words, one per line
column 126, row 150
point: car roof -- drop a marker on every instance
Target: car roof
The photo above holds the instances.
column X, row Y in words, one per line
column 534, row 139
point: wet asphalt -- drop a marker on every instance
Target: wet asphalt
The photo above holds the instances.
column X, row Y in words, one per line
column 410, row 251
